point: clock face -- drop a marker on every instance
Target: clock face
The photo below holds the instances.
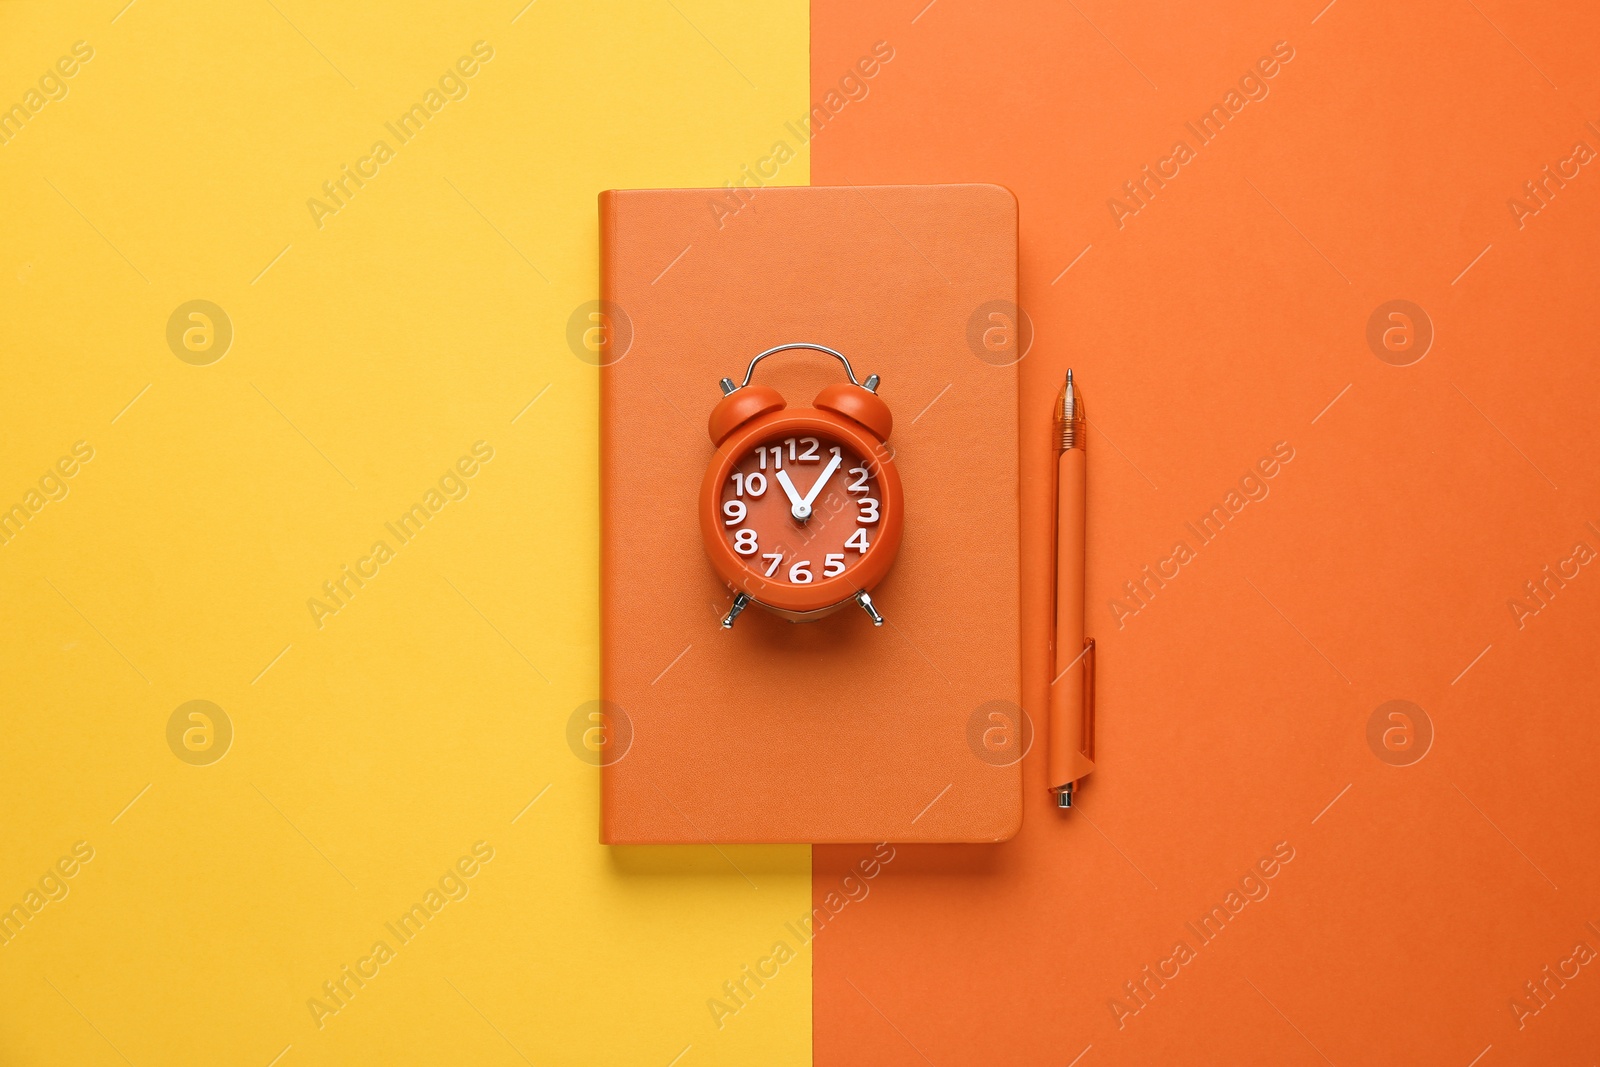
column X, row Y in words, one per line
column 799, row 509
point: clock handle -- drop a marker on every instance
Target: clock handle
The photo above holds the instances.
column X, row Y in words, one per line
column 871, row 384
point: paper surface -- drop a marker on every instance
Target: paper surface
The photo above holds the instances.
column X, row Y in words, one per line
column 376, row 341
column 1360, row 499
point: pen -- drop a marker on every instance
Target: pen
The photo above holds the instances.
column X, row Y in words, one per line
column 1071, row 749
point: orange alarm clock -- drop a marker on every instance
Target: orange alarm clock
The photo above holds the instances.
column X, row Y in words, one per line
column 801, row 509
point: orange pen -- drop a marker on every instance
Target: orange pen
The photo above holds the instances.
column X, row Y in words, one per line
column 1071, row 745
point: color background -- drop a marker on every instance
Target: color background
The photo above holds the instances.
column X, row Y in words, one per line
column 428, row 714
column 1228, row 313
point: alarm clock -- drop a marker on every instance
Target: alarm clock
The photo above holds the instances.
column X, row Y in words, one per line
column 801, row 508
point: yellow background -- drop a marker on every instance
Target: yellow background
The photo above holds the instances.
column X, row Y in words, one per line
column 368, row 355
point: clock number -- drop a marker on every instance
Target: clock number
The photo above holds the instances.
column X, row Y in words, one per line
column 834, row 451
column 744, row 542
column 776, row 558
column 752, row 484
column 860, row 484
column 833, row 564
column 777, row 456
column 810, row 455
column 735, row 510
column 869, row 510
column 857, row 541
column 800, row 572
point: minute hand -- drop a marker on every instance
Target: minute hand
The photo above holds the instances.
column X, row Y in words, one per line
column 822, row 479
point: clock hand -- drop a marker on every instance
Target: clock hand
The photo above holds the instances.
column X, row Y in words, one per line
column 800, row 509
column 827, row 472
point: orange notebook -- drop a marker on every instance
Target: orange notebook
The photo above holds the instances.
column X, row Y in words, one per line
column 833, row 730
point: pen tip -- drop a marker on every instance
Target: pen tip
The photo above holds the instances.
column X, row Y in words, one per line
column 1069, row 375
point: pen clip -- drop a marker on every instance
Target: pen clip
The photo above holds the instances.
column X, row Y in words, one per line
column 1088, row 699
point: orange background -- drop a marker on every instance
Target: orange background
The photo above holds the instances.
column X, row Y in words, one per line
column 1228, row 314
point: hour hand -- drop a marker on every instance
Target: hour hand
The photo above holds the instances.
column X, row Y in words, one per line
column 798, row 506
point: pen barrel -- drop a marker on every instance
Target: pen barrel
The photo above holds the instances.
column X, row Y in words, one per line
column 1067, row 749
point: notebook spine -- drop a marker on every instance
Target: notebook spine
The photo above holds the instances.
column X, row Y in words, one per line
column 608, row 291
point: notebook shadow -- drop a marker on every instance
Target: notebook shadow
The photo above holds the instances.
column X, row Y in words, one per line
column 753, row 863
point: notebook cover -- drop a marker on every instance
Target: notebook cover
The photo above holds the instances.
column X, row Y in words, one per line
column 831, row 730
column 1243, row 692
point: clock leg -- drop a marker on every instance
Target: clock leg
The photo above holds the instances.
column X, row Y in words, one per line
column 866, row 605
column 739, row 603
